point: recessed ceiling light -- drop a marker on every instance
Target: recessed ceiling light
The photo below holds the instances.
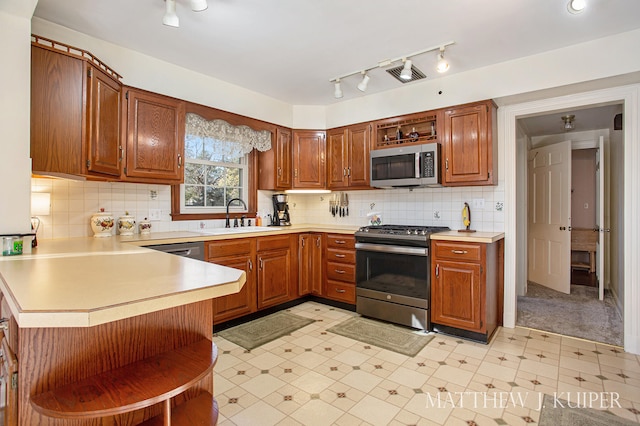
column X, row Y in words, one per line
column 576, row 6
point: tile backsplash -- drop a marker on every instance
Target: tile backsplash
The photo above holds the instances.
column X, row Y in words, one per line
column 73, row 203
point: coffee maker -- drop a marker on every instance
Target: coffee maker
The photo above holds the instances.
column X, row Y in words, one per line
column 280, row 210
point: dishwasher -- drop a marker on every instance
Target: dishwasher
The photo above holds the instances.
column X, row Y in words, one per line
column 194, row 250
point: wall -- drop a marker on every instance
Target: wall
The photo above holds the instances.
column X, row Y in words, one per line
column 616, row 219
column 15, row 164
column 583, row 188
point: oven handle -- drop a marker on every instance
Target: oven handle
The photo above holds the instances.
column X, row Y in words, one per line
column 385, row 248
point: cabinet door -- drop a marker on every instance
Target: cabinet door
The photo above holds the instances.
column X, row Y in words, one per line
column 456, row 298
column 155, row 137
column 359, row 143
column 308, row 159
column 274, row 276
column 243, row 302
column 105, row 147
column 283, row 158
column 8, row 384
column 337, row 159
column 468, row 150
column 310, row 264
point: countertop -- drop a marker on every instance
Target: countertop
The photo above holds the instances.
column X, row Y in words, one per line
column 470, row 237
column 82, row 282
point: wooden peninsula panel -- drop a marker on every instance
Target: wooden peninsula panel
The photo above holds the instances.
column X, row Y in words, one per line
column 51, row 358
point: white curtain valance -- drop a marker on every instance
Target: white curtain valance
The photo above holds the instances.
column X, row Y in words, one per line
column 234, row 141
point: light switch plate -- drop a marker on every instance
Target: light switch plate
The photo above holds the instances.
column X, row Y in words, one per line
column 155, row 214
column 478, row 203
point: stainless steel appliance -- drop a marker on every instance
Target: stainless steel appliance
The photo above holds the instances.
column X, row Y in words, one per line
column 194, row 250
column 406, row 166
column 280, row 210
column 393, row 273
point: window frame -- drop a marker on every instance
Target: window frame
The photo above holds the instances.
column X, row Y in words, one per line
column 209, row 113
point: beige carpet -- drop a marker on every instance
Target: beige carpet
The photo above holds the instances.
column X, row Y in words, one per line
column 395, row 338
column 256, row 333
column 579, row 314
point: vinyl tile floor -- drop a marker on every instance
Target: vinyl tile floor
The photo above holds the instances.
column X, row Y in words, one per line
column 313, row 377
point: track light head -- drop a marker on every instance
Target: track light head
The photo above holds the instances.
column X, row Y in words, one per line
column 406, row 73
column 170, row 18
column 199, row 5
column 337, row 92
column 365, row 81
column 443, row 65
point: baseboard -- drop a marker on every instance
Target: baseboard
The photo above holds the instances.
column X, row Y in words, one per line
column 617, row 302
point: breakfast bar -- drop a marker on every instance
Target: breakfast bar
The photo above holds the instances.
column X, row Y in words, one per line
column 123, row 334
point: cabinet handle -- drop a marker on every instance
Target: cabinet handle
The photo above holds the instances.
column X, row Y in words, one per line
column 179, row 160
column 459, row 251
column 250, row 265
column 318, row 242
column 437, row 270
column 446, row 164
column 340, row 290
column 121, row 153
column 348, row 171
column 340, row 242
column 340, row 271
column 260, row 264
column 344, row 172
column 302, row 241
column 341, row 256
column 295, row 172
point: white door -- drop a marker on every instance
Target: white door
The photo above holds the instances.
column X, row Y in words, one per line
column 550, row 216
column 601, row 222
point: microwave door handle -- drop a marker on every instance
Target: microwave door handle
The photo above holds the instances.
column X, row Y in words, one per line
column 417, row 164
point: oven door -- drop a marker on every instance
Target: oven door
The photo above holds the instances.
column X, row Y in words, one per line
column 396, row 273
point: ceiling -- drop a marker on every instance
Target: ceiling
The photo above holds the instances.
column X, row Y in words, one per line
column 290, row 49
column 588, row 118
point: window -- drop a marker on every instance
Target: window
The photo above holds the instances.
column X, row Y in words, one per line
column 213, row 175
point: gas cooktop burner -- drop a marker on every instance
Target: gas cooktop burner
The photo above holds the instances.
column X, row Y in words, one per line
column 401, row 230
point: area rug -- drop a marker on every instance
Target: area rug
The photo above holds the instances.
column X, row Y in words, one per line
column 557, row 413
column 264, row 330
column 579, row 314
column 384, row 335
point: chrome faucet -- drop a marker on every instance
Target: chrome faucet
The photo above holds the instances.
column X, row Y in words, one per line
column 226, row 223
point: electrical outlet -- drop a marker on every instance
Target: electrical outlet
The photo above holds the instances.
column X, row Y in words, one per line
column 478, row 203
column 155, row 214
column 586, row 206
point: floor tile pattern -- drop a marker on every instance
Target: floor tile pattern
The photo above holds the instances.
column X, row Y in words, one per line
column 312, row 377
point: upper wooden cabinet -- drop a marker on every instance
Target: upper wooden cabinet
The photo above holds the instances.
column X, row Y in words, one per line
column 309, row 168
column 155, row 127
column 75, row 115
column 348, row 157
column 470, row 157
column 274, row 165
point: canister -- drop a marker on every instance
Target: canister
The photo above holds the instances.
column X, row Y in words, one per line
column 11, row 246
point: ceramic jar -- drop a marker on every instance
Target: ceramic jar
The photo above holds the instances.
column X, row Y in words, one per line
column 102, row 224
column 145, row 227
column 126, row 224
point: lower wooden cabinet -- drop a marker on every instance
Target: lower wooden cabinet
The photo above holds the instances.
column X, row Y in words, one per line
column 239, row 254
column 466, row 288
column 276, row 268
column 310, row 261
column 340, row 268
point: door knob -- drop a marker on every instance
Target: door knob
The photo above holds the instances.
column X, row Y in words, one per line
column 563, row 228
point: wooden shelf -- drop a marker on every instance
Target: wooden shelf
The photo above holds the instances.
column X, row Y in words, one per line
column 425, row 124
column 134, row 386
column 199, row 411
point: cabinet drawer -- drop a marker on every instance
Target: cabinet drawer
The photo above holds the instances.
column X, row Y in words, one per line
column 337, row 255
column 457, row 251
column 228, row 248
column 271, row 243
column 341, row 241
column 341, row 272
column 341, row 291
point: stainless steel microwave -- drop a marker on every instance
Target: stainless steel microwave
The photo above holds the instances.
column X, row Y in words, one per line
column 408, row 166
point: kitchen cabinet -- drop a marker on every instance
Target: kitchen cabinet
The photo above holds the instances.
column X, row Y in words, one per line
column 348, row 157
column 340, row 268
column 8, row 367
column 309, row 168
column 75, row 114
column 239, row 254
column 466, row 282
column 470, row 157
column 310, row 266
column 424, row 125
column 276, row 275
column 155, row 126
column 274, row 165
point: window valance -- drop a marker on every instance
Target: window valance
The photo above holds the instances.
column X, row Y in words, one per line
column 234, row 141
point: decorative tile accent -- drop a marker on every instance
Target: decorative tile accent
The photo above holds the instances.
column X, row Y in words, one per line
column 615, row 351
column 307, row 349
column 528, row 419
column 442, row 363
column 528, row 337
column 417, row 391
column 355, row 367
column 288, row 370
column 264, row 371
column 624, row 376
column 377, row 367
column 226, row 352
column 421, row 364
column 443, row 389
column 392, row 392
column 502, row 358
column 315, row 396
column 580, row 379
column 512, row 339
column 597, row 352
column 441, row 343
column 513, row 384
column 341, row 395
column 578, row 353
column 247, row 351
column 601, row 377
column 233, row 400
column 323, row 333
column 288, row 398
column 535, row 382
column 489, row 386
column 241, row 372
column 544, row 336
column 462, row 361
column 471, row 423
column 522, row 357
column 541, row 356
column 500, row 421
column 334, row 368
column 327, row 349
column 367, row 347
column 287, row 350
column 634, row 411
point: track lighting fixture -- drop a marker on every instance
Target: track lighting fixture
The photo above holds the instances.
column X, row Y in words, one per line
column 337, row 93
column 568, row 122
column 443, row 65
column 406, row 71
column 576, row 6
column 170, row 17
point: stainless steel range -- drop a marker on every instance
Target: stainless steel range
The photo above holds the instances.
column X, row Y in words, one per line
column 393, row 273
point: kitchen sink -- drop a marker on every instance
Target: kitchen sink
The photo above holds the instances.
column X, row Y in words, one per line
column 239, row 230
